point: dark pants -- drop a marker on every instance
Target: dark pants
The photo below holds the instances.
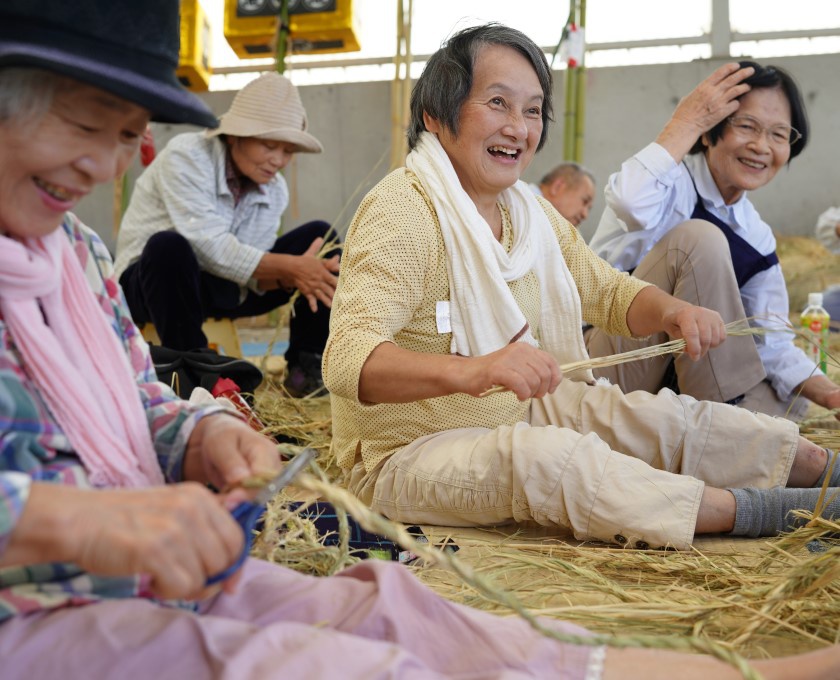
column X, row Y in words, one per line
column 167, row 287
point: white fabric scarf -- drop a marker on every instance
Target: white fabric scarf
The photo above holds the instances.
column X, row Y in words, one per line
column 484, row 314
column 76, row 360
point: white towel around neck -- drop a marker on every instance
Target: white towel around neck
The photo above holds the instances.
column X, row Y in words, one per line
column 484, row 314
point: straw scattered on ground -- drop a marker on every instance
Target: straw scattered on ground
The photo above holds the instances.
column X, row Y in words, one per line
column 781, row 598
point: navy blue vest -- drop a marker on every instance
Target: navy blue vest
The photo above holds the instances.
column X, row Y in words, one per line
column 746, row 260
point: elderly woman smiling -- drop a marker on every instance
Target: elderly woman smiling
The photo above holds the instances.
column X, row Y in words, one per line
column 456, row 278
column 94, row 547
column 678, row 215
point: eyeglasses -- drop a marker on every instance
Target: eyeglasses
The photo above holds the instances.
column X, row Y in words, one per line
column 750, row 129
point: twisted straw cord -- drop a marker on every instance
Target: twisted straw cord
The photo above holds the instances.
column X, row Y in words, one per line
column 377, row 524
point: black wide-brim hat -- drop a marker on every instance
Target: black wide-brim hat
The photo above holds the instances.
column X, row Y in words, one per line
column 126, row 47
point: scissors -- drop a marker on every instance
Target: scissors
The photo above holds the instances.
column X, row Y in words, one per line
column 248, row 512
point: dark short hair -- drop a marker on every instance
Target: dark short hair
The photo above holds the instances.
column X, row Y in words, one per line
column 769, row 77
column 448, row 76
column 570, row 171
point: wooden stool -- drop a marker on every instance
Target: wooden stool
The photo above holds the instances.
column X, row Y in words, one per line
column 221, row 336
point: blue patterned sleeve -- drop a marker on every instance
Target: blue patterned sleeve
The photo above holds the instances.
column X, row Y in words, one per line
column 14, row 490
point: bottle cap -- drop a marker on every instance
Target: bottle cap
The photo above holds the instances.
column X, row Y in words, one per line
column 815, row 299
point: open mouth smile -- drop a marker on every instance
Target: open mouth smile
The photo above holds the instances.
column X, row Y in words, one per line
column 504, row 152
column 57, row 192
column 755, row 165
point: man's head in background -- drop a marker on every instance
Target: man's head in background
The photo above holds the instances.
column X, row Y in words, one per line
column 570, row 188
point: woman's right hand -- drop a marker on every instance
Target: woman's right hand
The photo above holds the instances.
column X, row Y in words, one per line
column 519, row 367
column 177, row 535
column 713, row 100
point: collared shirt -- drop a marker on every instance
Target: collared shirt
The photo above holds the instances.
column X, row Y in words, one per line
column 186, row 190
column 393, row 278
column 239, row 185
column 33, row 447
column 651, row 195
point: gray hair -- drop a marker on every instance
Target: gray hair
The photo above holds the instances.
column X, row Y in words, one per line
column 447, row 78
column 570, row 171
column 26, row 94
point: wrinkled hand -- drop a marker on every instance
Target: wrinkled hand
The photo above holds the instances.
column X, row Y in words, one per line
column 223, row 451
column 701, row 328
column 523, row 369
column 314, row 277
column 714, row 99
column 177, row 535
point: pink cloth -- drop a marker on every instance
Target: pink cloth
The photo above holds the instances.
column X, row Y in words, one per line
column 372, row 621
column 76, row 360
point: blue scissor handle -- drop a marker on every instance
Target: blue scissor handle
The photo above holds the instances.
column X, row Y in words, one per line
column 247, row 514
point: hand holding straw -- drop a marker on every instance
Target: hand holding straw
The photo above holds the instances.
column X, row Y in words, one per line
column 740, row 327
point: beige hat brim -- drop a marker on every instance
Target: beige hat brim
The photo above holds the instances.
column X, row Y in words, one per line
column 240, row 127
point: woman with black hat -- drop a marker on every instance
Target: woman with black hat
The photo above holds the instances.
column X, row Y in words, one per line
column 93, row 546
column 203, row 221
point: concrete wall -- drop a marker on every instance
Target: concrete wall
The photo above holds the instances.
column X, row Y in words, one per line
column 625, row 109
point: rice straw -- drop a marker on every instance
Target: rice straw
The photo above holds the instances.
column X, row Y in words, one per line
column 737, row 328
column 377, row 524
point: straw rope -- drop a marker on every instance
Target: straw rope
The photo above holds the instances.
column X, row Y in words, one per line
column 340, row 498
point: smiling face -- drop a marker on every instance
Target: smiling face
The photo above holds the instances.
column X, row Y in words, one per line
column 260, row 159
column 48, row 165
column 739, row 164
column 499, row 126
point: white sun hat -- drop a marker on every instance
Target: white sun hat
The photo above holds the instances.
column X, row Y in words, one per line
column 268, row 108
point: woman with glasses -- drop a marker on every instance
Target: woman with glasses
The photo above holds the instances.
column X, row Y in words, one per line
column 678, row 215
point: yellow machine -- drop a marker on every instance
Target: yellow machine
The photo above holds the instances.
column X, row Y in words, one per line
column 315, row 26
column 194, row 58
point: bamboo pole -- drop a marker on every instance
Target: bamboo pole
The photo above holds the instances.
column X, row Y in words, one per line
column 401, row 85
column 580, row 89
column 569, row 112
column 282, row 44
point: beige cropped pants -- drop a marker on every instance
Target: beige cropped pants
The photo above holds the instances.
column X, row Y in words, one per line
column 626, row 469
column 692, row 263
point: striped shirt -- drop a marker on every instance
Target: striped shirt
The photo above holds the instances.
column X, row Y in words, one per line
column 186, row 190
column 33, row 447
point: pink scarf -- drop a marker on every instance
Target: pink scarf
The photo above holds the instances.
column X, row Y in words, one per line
column 76, row 360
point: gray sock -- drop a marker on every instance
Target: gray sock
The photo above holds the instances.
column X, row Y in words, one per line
column 766, row 512
column 835, row 473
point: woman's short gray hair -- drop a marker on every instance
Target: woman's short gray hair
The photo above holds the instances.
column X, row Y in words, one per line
column 447, row 78
column 26, row 94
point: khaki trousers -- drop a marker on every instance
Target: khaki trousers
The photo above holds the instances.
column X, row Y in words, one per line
column 626, row 469
column 692, row 262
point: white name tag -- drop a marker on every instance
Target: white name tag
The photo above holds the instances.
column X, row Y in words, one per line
column 444, row 324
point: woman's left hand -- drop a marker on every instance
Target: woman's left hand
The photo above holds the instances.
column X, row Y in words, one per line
column 701, row 328
column 223, row 451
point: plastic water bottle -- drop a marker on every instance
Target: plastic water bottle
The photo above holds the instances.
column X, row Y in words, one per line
column 815, row 322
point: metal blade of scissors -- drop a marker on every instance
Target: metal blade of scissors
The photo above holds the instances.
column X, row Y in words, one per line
column 249, row 512
column 290, row 471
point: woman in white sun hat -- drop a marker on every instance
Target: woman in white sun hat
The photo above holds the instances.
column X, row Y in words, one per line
column 199, row 238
